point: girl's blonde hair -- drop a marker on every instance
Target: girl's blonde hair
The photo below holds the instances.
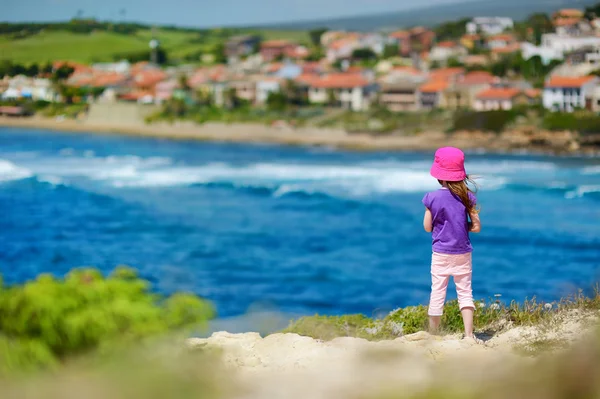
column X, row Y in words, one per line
column 462, row 189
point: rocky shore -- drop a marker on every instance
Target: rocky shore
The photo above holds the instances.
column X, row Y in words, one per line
column 526, row 139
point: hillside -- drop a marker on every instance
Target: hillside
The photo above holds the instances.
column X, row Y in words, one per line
column 97, row 46
column 429, row 16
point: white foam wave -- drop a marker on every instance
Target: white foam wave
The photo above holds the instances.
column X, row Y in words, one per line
column 582, row 190
column 9, row 171
column 591, row 170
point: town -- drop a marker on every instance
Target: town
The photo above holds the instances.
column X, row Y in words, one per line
column 479, row 65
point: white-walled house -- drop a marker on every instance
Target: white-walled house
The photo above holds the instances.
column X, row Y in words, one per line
column 347, row 90
column 266, row 86
column 489, row 25
column 567, row 44
column 35, row 88
column 562, row 93
column 499, row 98
column 547, row 54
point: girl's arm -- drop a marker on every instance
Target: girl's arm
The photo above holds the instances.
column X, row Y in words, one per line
column 475, row 223
column 427, row 221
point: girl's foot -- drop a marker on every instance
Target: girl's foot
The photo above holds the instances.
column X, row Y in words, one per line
column 474, row 340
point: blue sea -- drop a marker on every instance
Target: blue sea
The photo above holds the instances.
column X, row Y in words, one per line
column 298, row 229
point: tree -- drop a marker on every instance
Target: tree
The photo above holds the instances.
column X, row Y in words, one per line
column 32, row 70
column 277, row 101
column 391, row 50
column 218, row 53
column 451, row 30
column 63, row 73
column 232, row 100
column 364, row 54
column 331, row 98
column 454, row 63
column 315, row 36
column 183, row 82
column 47, row 68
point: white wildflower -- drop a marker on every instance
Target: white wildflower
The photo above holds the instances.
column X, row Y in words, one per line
column 481, row 305
column 548, row 306
column 494, row 306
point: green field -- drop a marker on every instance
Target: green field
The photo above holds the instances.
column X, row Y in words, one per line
column 104, row 46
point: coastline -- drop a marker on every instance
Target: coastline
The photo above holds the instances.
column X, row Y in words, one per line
column 530, row 140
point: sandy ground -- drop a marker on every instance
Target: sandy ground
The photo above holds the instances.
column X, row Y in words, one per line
column 293, row 366
column 555, row 142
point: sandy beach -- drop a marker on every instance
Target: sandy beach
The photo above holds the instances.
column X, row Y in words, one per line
column 292, row 366
column 525, row 140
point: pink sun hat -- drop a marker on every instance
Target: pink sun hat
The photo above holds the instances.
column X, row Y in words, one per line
column 449, row 164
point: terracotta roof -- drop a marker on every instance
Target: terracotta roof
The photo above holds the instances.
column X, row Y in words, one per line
column 297, row 52
column 476, row 59
column 533, row 93
column 569, row 12
column 340, row 81
column 503, row 36
column 511, row 48
column 311, row 67
column 77, row 68
column 108, row 79
column 401, row 34
column 307, row 78
column 274, row 67
column 275, row 43
column 478, row 78
column 406, row 69
column 471, row 36
column 445, row 73
column 434, row 86
column 135, row 95
column 149, row 78
column 498, row 93
column 568, row 81
column 447, row 44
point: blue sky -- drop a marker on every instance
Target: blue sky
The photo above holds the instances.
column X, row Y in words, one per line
column 202, row 13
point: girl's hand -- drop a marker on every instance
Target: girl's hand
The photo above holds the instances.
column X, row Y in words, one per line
column 475, row 223
column 427, row 221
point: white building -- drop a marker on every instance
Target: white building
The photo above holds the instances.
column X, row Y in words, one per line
column 265, row 87
column 565, row 94
column 444, row 51
column 547, row 54
column 347, row 90
column 25, row 87
column 489, row 25
column 565, row 44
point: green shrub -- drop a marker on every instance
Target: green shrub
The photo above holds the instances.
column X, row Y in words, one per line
column 51, row 318
column 489, row 121
column 582, row 122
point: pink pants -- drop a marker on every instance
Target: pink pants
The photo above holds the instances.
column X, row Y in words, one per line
column 442, row 267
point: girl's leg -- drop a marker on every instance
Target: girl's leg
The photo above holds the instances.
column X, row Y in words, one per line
column 439, row 284
column 463, row 278
column 467, row 316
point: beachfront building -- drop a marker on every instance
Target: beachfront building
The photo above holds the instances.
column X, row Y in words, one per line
column 500, row 98
column 21, row 86
column 398, row 91
column 347, row 90
column 446, row 50
column 566, row 44
column 241, row 46
column 547, row 54
column 566, row 93
column 273, row 49
column 489, row 25
column 266, row 86
column 430, row 94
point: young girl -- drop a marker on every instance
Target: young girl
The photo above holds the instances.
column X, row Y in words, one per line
column 447, row 215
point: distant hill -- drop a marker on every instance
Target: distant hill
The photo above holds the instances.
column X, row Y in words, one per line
column 433, row 15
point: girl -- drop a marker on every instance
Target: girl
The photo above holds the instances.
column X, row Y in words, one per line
column 447, row 215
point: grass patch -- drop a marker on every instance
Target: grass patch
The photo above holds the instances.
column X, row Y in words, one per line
column 490, row 317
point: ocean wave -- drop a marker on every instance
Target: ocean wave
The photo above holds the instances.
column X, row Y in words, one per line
column 9, row 171
column 591, row 170
column 582, row 191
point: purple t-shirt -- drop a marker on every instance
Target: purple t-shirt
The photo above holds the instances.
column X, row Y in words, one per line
column 450, row 224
